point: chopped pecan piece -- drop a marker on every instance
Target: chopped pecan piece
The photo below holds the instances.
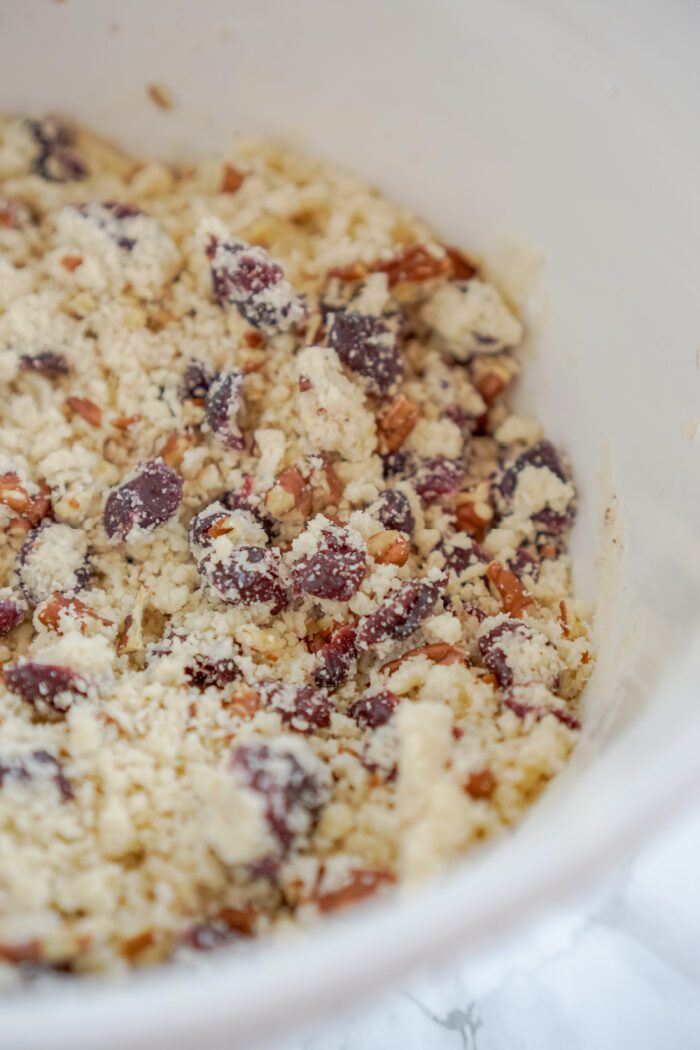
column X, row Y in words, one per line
column 362, row 884
column 474, row 512
column 57, row 603
column 174, row 449
column 481, row 784
column 438, row 652
column 389, row 547
column 290, row 492
column 397, row 423
column 13, row 494
column 231, row 179
column 514, row 598
column 415, row 262
column 86, row 408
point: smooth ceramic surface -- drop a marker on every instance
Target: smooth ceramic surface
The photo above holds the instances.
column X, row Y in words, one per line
column 617, row 968
column 570, row 129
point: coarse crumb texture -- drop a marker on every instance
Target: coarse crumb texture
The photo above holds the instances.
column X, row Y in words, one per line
column 285, row 603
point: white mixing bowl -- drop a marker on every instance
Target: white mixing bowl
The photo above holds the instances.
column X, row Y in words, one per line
column 566, row 127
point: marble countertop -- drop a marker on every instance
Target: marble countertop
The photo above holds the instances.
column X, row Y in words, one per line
column 618, row 968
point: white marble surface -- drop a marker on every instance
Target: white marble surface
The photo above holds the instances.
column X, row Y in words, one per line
column 617, row 969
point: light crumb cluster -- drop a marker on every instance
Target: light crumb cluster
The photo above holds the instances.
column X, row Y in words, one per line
column 285, row 598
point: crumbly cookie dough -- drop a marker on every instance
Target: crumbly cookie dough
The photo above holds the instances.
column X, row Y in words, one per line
column 286, row 610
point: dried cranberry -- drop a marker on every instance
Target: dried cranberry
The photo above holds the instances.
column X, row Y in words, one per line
column 458, row 559
column 50, row 688
column 335, row 569
column 492, row 654
column 148, row 500
column 542, row 456
column 293, row 794
column 524, row 563
column 246, row 277
column 336, row 659
column 224, row 400
column 459, row 417
column 249, row 575
column 204, row 672
column 113, row 218
column 394, row 511
column 37, row 764
column 400, row 614
column 47, row 363
column 368, row 346
column 374, row 710
column 12, row 614
column 57, row 160
column 397, row 464
column 200, row 539
column 196, row 381
column 549, row 523
column 243, row 499
column 519, row 701
column 299, row 706
column 438, row 477
column 53, row 559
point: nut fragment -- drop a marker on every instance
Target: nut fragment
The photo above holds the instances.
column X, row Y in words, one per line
column 389, row 547
column 90, row 412
column 13, row 494
column 231, row 179
column 492, row 383
column 290, row 492
column 481, row 784
column 514, row 598
column 362, row 884
column 174, row 449
column 397, row 423
column 474, row 513
column 57, row 603
column 438, row 652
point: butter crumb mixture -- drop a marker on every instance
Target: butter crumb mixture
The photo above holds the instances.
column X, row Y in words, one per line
column 285, row 598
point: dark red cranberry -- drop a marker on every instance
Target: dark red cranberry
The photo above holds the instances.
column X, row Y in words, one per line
column 459, row 417
column 38, row 586
column 57, row 160
column 148, row 500
column 492, row 654
column 203, row 672
column 394, row 511
column 517, row 701
column 12, row 614
column 244, row 499
column 224, row 401
column 400, row 614
column 246, row 277
column 249, row 575
column 199, row 538
column 549, row 523
column 46, row 363
column 374, row 710
column 39, row 764
column 293, row 794
column 113, row 217
column 334, row 570
column 196, row 381
column 368, row 346
column 458, row 559
column 299, row 706
column 524, row 563
column 542, row 455
column 50, row 688
column 397, row 464
column 336, row 659
column 438, row 477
